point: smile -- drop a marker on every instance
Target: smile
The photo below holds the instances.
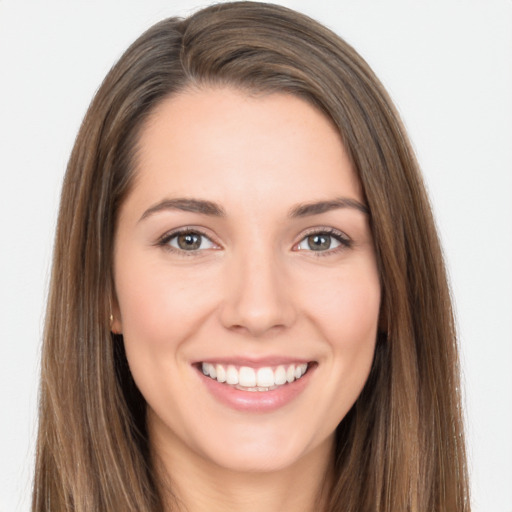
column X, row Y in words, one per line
column 262, row 379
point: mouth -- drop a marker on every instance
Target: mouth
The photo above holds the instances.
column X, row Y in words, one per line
column 262, row 379
column 258, row 387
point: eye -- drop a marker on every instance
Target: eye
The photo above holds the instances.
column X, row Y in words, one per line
column 323, row 241
column 188, row 241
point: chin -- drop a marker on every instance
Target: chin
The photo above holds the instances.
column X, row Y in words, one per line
column 257, row 450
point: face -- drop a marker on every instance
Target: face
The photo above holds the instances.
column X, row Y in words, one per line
column 247, row 288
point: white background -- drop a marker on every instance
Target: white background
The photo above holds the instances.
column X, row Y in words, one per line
column 448, row 66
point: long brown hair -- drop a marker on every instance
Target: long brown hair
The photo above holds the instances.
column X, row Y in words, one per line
column 401, row 446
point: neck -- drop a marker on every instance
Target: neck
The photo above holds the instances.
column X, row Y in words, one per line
column 193, row 484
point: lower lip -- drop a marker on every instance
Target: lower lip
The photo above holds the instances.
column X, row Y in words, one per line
column 257, row 401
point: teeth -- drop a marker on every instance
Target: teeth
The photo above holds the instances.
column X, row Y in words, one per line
column 265, row 378
column 250, row 379
column 247, row 377
column 299, row 371
column 280, row 376
column 221, row 373
column 231, row 375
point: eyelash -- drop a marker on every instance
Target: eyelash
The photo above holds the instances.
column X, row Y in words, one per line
column 339, row 236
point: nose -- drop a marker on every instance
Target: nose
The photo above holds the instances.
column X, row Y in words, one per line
column 258, row 296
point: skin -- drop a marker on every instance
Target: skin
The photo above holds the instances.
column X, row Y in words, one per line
column 254, row 288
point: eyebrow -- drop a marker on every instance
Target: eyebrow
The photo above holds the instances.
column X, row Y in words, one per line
column 213, row 209
column 318, row 207
column 186, row 205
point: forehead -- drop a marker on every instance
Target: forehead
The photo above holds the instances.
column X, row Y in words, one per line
column 226, row 144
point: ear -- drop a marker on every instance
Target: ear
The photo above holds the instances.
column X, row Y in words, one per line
column 116, row 325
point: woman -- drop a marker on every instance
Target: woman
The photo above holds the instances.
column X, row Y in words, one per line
column 248, row 306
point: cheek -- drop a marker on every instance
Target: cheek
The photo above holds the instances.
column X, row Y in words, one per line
column 350, row 325
column 347, row 315
column 357, row 309
column 159, row 304
column 161, row 309
column 347, row 309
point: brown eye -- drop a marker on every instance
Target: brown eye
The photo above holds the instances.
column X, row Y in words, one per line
column 324, row 241
column 188, row 241
column 319, row 242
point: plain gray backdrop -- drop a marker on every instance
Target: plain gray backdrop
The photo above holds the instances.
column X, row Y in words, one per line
column 448, row 66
